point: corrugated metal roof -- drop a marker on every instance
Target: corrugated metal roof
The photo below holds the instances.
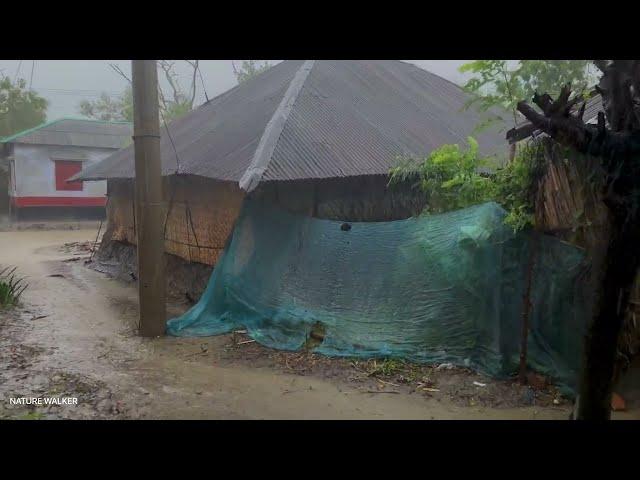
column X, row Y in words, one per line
column 216, row 140
column 349, row 118
column 76, row 132
column 594, row 105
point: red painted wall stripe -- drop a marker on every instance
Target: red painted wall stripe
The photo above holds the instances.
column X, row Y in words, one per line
column 59, row 201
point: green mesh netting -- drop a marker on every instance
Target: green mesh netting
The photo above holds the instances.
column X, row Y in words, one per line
column 439, row 288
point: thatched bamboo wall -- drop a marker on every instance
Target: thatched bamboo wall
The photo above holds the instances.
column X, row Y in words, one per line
column 202, row 212
column 201, row 215
column 569, row 206
column 568, row 203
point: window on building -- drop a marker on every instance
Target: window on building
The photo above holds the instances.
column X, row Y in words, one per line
column 65, row 169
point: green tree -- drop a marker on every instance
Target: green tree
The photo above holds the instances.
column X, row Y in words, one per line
column 497, row 86
column 20, row 108
column 516, row 186
column 449, row 178
column 452, row 178
column 171, row 110
column 174, row 104
column 249, row 69
column 108, row 108
column 182, row 99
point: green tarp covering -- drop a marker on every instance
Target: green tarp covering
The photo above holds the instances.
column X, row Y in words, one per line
column 437, row 288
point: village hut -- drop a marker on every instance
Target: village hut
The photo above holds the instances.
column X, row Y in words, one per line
column 313, row 137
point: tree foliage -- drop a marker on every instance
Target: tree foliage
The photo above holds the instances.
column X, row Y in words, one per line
column 109, row 108
column 182, row 99
column 516, row 186
column 448, row 177
column 453, row 178
column 20, row 108
column 172, row 110
column 178, row 101
column 497, row 86
column 249, row 69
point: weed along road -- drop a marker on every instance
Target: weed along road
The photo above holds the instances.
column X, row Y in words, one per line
column 74, row 336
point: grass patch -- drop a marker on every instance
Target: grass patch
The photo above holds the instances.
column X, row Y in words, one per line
column 12, row 287
column 386, row 367
column 32, row 416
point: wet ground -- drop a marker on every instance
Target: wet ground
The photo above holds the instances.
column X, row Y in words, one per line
column 75, row 336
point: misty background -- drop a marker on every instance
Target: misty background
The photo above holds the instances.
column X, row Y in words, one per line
column 65, row 83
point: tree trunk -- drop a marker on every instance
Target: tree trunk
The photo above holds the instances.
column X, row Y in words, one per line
column 618, row 146
column 620, row 268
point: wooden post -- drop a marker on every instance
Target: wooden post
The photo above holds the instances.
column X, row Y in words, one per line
column 526, row 307
column 149, row 200
column 512, row 152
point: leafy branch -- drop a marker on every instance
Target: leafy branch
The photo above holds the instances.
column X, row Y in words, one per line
column 496, row 86
column 249, row 69
column 452, row 178
column 180, row 99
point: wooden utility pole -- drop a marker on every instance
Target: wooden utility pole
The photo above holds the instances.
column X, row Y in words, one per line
column 149, row 201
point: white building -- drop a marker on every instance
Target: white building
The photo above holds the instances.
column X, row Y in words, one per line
column 38, row 162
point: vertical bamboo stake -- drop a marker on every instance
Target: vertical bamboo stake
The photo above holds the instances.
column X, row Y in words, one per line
column 526, row 308
column 149, row 201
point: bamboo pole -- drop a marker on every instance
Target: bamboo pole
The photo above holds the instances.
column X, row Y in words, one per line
column 149, row 201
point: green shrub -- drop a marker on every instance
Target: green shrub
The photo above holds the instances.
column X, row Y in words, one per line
column 449, row 177
column 11, row 287
column 452, row 178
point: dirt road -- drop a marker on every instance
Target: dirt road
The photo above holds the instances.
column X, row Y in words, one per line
column 75, row 336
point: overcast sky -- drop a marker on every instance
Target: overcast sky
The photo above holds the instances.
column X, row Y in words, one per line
column 66, row 82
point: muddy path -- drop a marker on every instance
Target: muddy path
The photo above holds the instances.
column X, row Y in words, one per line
column 75, row 336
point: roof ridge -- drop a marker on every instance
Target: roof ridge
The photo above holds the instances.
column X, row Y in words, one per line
column 424, row 70
column 95, row 120
column 22, row 133
column 269, row 139
column 240, row 84
column 27, row 131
